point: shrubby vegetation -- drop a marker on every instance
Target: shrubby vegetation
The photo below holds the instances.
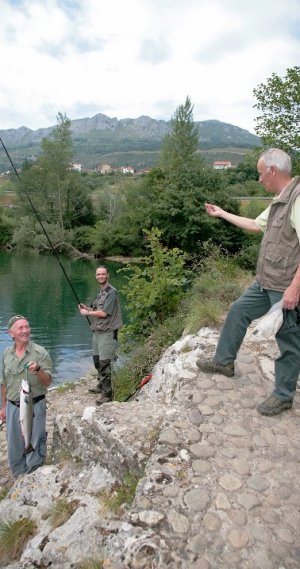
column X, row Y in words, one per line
column 155, row 287
column 7, row 224
column 215, row 283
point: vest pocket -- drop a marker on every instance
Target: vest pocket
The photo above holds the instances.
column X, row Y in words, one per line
column 278, row 257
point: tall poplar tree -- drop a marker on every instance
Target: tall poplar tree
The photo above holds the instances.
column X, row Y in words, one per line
column 178, row 153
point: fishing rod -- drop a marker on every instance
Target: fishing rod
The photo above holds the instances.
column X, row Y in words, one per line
column 41, row 224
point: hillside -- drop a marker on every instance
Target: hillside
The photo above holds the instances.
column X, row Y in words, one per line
column 137, row 142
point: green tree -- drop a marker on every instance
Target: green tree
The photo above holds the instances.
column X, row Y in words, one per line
column 245, row 170
column 279, row 102
column 57, row 193
column 57, row 150
column 178, row 152
column 7, row 224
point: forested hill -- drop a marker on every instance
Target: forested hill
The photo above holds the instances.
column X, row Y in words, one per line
column 126, row 141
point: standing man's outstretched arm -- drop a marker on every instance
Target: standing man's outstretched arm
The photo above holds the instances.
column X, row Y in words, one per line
column 242, row 222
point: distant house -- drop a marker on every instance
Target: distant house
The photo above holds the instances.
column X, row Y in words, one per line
column 75, row 166
column 104, row 169
column 222, row 164
column 107, row 169
column 127, row 170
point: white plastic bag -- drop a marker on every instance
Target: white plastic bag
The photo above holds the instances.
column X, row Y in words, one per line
column 269, row 324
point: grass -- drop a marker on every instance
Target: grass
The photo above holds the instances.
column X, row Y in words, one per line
column 64, row 455
column 153, row 435
column 3, row 493
column 186, row 348
column 122, row 494
column 91, row 564
column 69, row 386
column 217, row 285
column 14, row 536
column 61, row 512
column 145, row 356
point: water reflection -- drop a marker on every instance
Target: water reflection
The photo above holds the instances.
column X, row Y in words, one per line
column 35, row 286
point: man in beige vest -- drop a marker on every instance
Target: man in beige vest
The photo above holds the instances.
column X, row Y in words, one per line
column 278, row 276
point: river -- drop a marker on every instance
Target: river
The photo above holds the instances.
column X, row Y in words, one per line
column 35, row 286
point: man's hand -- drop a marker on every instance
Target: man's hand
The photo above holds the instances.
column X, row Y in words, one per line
column 83, row 309
column 291, row 298
column 213, row 210
column 3, row 414
column 237, row 220
column 32, row 367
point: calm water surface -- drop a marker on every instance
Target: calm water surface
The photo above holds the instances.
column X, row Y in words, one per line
column 35, row 286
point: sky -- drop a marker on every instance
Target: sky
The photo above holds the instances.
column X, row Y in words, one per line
column 131, row 58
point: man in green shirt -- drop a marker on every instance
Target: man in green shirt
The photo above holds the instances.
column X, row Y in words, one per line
column 106, row 321
column 24, row 360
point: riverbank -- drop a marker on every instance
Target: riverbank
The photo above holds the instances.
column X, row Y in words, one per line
column 218, row 482
column 120, row 259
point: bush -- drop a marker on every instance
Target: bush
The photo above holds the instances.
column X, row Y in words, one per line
column 247, row 257
column 7, row 225
column 83, row 238
column 155, row 289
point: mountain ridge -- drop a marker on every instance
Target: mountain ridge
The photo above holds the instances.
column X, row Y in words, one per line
column 100, row 135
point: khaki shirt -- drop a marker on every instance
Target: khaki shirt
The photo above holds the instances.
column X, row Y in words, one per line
column 108, row 301
column 13, row 370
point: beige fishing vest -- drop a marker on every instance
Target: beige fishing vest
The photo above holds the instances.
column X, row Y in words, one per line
column 279, row 255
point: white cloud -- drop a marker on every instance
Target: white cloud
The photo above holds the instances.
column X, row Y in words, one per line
column 140, row 57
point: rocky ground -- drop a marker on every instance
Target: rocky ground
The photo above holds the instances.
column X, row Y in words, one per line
column 218, row 482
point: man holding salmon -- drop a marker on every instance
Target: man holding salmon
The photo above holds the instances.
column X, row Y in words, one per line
column 26, row 375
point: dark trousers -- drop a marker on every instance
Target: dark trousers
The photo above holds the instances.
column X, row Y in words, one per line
column 104, row 378
column 254, row 303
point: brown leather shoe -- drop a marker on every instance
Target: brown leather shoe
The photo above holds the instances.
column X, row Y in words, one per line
column 210, row 366
column 273, row 406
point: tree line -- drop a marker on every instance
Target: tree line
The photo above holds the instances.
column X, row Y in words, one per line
column 81, row 213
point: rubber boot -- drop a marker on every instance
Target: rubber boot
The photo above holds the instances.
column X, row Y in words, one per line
column 105, row 370
column 98, row 388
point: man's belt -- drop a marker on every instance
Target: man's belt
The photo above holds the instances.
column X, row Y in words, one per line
column 34, row 400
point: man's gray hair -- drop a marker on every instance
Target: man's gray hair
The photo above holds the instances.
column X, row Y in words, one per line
column 277, row 158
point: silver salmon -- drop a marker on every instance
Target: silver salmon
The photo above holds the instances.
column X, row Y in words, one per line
column 26, row 415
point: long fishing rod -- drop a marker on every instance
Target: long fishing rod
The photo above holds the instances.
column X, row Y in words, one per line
column 41, row 224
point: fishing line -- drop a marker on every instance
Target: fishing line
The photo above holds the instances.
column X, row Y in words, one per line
column 41, row 224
